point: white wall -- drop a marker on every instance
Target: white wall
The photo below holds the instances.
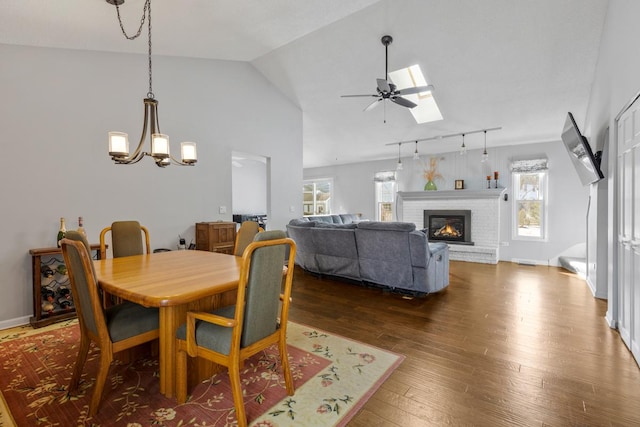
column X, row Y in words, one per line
column 616, row 82
column 57, row 107
column 354, row 192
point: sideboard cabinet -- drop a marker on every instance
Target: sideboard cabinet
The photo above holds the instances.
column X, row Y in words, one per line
column 216, row 236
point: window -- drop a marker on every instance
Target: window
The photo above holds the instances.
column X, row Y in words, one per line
column 530, row 204
column 385, row 188
column 317, row 195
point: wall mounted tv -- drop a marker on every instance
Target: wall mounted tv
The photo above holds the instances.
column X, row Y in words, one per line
column 586, row 164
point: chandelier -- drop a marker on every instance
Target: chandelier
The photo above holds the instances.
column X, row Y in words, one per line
column 119, row 141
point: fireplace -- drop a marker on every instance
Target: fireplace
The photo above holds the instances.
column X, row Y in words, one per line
column 451, row 226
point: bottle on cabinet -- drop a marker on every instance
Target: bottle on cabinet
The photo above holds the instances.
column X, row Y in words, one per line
column 81, row 227
column 61, row 232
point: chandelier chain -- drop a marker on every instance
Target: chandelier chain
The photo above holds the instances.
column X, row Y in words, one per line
column 146, row 14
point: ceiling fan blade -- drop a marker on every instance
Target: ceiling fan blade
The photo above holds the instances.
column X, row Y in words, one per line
column 412, row 90
column 402, row 101
column 354, row 96
column 383, row 85
column 373, row 105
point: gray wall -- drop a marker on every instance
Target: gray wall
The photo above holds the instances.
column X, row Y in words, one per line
column 354, row 192
column 57, row 107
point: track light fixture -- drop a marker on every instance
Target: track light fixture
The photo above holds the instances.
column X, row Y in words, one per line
column 485, row 156
column 416, row 156
column 463, row 148
column 399, row 164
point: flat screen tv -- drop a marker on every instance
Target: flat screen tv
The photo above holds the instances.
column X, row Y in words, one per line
column 585, row 163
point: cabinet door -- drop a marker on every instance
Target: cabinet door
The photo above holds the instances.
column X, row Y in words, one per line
column 628, row 263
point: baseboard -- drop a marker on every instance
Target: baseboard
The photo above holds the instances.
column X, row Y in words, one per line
column 12, row 323
column 529, row 262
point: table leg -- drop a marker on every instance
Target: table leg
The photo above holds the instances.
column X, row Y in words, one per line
column 169, row 322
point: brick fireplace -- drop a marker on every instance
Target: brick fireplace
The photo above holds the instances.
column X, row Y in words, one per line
column 484, row 206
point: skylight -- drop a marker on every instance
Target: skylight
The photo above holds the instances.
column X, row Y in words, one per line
column 427, row 109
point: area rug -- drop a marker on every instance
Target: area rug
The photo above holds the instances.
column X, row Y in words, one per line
column 333, row 376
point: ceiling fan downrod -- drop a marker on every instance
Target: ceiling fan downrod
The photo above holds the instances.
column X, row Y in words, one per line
column 386, row 41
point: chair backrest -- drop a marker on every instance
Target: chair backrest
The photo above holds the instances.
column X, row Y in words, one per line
column 263, row 280
column 245, row 235
column 84, row 284
column 126, row 239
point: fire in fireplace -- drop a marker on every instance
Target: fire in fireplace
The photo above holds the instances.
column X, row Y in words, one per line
column 452, row 226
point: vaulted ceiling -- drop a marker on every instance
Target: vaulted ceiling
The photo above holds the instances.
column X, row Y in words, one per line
column 516, row 64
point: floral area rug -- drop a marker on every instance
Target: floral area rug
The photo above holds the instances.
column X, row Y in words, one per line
column 333, row 376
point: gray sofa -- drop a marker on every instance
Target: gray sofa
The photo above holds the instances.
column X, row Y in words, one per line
column 391, row 254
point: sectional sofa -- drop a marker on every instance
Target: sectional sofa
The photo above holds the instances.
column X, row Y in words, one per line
column 390, row 254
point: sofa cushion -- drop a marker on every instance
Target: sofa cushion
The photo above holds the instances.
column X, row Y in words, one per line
column 302, row 222
column 336, row 252
column 387, row 226
column 321, row 218
column 344, row 226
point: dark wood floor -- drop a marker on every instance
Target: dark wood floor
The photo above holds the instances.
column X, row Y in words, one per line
column 504, row 345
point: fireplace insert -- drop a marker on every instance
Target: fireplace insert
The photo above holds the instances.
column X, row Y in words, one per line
column 451, row 226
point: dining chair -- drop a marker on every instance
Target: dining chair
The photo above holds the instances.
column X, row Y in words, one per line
column 258, row 319
column 114, row 329
column 126, row 239
column 245, row 235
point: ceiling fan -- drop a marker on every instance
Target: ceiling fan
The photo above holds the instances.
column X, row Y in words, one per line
column 387, row 90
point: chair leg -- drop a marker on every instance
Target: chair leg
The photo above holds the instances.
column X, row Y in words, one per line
column 181, row 376
column 236, row 391
column 103, row 371
column 286, row 370
column 81, row 358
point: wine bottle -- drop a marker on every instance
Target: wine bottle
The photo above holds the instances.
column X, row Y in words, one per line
column 62, row 231
column 81, row 227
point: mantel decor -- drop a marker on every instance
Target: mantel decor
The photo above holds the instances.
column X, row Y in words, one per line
column 119, row 141
column 431, row 174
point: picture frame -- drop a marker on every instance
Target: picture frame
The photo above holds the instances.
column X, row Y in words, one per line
column 459, row 185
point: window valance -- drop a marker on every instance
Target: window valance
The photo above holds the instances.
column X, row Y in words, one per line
column 533, row 165
column 386, row 176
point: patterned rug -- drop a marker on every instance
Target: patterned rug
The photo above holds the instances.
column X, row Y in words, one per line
column 333, row 376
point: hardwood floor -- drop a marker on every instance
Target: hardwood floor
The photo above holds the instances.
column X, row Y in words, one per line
column 504, row 345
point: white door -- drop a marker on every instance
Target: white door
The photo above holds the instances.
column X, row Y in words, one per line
column 628, row 162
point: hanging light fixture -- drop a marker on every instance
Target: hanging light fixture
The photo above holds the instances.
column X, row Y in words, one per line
column 399, row 165
column 416, row 156
column 463, row 148
column 485, row 156
column 119, row 141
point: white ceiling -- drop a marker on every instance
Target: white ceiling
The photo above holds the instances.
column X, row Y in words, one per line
column 516, row 64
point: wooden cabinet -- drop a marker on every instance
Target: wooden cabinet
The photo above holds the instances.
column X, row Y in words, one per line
column 52, row 301
column 216, row 236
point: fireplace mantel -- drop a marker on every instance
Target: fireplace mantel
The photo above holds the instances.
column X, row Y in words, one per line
column 489, row 193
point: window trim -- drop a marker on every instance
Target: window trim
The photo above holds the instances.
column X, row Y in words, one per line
column 544, row 204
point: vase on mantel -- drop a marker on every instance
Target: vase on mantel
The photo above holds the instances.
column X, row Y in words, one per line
column 430, row 186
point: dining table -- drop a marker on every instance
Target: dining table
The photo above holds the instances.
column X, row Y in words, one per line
column 175, row 282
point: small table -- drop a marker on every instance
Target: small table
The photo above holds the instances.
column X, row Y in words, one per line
column 175, row 281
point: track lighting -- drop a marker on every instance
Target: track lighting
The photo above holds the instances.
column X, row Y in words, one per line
column 399, row 165
column 416, row 156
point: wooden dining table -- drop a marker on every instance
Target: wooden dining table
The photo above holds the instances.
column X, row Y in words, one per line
column 175, row 282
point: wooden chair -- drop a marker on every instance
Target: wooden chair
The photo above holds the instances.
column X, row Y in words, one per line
column 114, row 329
column 245, row 235
column 126, row 239
column 229, row 335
